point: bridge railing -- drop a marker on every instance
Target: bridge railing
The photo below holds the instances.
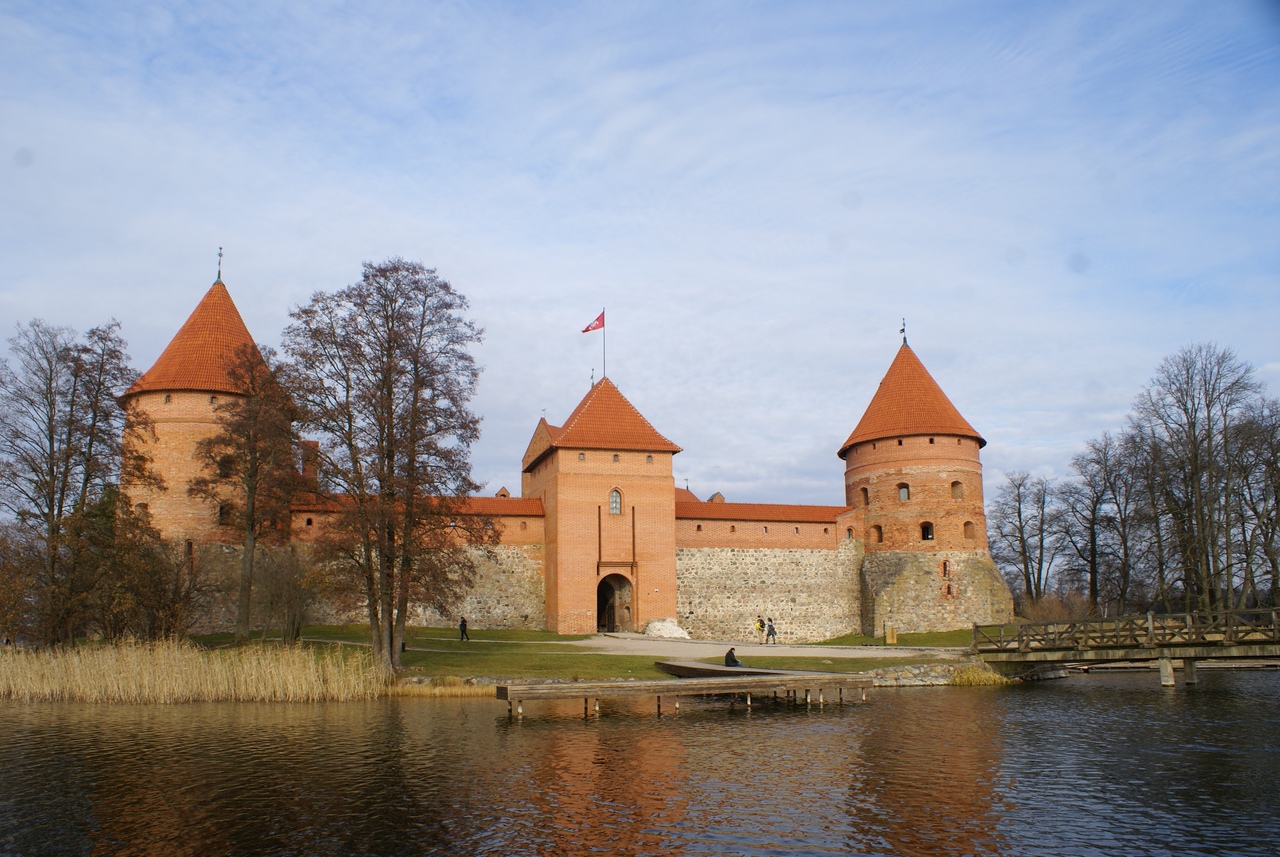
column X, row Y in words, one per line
column 1149, row 630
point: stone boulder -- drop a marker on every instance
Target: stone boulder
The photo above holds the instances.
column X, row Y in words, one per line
column 665, row 628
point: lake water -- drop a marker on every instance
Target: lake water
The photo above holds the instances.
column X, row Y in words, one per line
column 1107, row 765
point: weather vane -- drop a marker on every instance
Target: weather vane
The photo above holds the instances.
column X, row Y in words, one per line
column 219, row 264
column 903, row 331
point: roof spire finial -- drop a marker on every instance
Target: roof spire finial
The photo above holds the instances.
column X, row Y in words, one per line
column 219, row 280
column 904, row 331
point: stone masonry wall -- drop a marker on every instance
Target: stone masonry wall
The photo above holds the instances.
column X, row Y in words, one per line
column 811, row 594
column 915, row 592
column 508, row 593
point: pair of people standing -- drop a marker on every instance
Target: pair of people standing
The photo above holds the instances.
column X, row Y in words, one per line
column 765, row 631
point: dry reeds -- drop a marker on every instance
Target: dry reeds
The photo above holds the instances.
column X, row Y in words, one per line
column 173, row 672
column 977, row 675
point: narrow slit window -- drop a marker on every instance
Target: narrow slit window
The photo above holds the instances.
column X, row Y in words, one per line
column 866, row 497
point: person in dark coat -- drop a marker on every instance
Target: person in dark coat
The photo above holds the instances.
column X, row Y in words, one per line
column 731, row 660
column 462, row 630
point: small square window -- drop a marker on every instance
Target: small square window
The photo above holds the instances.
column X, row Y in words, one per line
column 615, row 456
column 648, row 459
column 582, row 456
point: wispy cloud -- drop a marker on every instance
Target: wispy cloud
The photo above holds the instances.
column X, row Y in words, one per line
column 1054, row 196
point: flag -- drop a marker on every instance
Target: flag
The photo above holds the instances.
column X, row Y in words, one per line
column 595, row 325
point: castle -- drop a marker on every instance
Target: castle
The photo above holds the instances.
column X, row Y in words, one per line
column 601, row 539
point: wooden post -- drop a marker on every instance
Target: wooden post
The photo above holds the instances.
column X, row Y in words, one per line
column 659, row 705
column 586, row 701
column 1189, row 671
column 677, row 703
column 748, row 700
column 508, row 709
column 864, row 694
column 520, row 708
column 1166, row 672
column 1151, row 628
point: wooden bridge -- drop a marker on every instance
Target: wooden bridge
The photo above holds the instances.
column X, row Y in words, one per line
column 1032, row 647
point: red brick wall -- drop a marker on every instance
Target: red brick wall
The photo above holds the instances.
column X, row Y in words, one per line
column 929, row 469
column 179, row 423
column 574, row 486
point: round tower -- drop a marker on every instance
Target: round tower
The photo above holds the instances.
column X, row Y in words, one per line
column 912, row 467
column 177, row 396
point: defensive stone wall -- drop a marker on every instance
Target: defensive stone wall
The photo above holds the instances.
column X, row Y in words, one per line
column 921, row 592
column 508, row 592
column 811, row 594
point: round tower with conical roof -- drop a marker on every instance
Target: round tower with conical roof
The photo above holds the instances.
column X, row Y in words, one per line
column 912, row 466
column 178, row 396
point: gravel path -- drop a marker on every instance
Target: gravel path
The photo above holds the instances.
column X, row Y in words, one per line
column 662, row 647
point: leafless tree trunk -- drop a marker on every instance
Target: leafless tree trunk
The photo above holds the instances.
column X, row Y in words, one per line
column 385, row 376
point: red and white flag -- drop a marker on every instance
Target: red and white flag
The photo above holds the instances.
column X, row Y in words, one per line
column 595, row 325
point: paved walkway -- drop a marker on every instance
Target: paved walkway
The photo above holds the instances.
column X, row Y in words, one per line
column 622, row 643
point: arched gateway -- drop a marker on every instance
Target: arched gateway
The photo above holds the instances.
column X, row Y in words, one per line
column 613, row 604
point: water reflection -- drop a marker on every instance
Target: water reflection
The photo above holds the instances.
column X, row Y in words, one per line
column 1101, row 765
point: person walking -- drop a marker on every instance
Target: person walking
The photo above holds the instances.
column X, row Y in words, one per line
column 759, row 628
column 462, row 630
column 770, row 633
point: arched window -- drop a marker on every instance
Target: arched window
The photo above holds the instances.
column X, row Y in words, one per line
column 615, row 502
column 957, row 490
column 926, row 531
column 904, row 492
column 866, row 497
column 877, row 534
column 968, row 529
column 848, row 534
column 699, row 527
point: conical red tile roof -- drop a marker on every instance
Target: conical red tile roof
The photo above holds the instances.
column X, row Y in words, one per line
column 604, row 419
column 909, row 402
column 198, row 356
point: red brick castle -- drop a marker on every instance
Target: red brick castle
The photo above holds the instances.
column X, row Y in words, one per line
column 601, row 538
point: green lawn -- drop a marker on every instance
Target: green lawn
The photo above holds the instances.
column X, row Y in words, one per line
column 512, row 654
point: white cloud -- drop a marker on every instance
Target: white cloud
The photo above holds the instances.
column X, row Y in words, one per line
column 1054, row 197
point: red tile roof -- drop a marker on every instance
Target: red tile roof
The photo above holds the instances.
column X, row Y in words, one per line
column 909, row 402
column 759, row 512
column 684, row 495
column 203, row 349
column 604, row 419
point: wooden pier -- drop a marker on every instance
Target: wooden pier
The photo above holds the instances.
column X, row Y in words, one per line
column 815, row 687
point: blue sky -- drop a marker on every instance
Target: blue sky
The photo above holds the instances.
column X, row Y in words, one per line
column 1054, row 195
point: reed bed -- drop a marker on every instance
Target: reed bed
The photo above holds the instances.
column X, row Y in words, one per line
column 977, row 675
column 174, row 672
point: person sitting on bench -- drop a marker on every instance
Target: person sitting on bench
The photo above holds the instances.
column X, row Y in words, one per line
column 731, row 660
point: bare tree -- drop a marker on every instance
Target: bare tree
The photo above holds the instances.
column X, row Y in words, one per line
column 1189, row 416
column 61, row 426
column 249, row 465
column 1024, row 532
column 384, row 375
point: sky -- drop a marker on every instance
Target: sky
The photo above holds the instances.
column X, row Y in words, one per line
column 1055, row 196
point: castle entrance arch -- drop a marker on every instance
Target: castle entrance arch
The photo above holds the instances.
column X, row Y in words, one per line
column 613, row 604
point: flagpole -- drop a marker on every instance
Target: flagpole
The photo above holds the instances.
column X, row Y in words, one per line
column 604, row 349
